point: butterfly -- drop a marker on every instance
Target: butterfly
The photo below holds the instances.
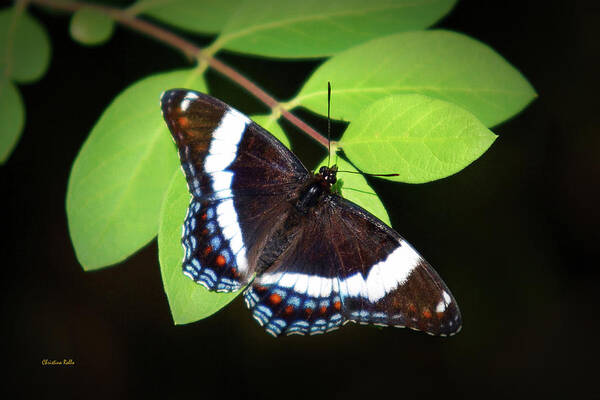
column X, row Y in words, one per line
column 311, row 260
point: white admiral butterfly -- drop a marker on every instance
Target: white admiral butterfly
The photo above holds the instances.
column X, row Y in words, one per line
column 312, row 259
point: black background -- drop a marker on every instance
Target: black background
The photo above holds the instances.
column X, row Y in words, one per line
column 515, row 236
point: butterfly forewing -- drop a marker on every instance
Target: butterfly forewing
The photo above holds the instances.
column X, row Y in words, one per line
column 235, row 171
column 317, row 260
column 384, row 280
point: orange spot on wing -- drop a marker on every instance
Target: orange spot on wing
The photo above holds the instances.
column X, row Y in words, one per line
column 183, row 121
column 427, row 313
column 440, row 314
column 208, row 250
column 289, row 309
column 275, row 298
column 220, row 260
column 308, row 310
column 323, row 309
column 337, row 305
column 203, row 217
column 204, row 232
column 412, row 307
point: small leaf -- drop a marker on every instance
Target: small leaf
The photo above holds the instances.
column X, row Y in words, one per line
column 120, row 175
column 206, row 16
column 12, row 118
column 24, row 46
column 354, row 187
column 316, row 28
column 188, row 300
column 416, row 136
column 440, row 64
column 91, row 27
column 270, row 124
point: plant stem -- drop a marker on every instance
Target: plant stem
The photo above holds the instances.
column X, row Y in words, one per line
column 191, row 51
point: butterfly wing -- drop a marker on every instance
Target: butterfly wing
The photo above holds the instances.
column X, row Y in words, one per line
column 392, row 284
column 347, row 265
column 299, row 292
column 315, row 271
column 236, row 171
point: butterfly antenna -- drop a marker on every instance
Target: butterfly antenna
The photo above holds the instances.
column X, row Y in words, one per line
column 328, row 123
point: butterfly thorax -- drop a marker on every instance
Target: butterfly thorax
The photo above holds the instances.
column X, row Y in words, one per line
column 283, row 233
column 317, row 187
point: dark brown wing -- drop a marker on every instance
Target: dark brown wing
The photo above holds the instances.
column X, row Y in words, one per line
column 344, row 264
column 238, row 174
column 384, row 279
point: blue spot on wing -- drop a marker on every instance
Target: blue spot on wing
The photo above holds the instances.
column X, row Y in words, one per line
column 282, row 310
column 205, row 249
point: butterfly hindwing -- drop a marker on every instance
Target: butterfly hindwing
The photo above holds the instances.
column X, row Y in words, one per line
column 298, row 292
column 283, row 304
column 211, row 257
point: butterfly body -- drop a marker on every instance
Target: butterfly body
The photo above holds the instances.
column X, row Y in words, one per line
column 311, row 260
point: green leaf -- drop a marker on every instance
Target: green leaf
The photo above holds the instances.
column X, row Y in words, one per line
column 120, row 176
column 354, row 187
column 12, row 118
column 24, row 46
column 188, row 300
column 440, row 64
column 206, row 16
column 269, row 123
column 91, row 27
column 416, row 136
column 316, row 28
